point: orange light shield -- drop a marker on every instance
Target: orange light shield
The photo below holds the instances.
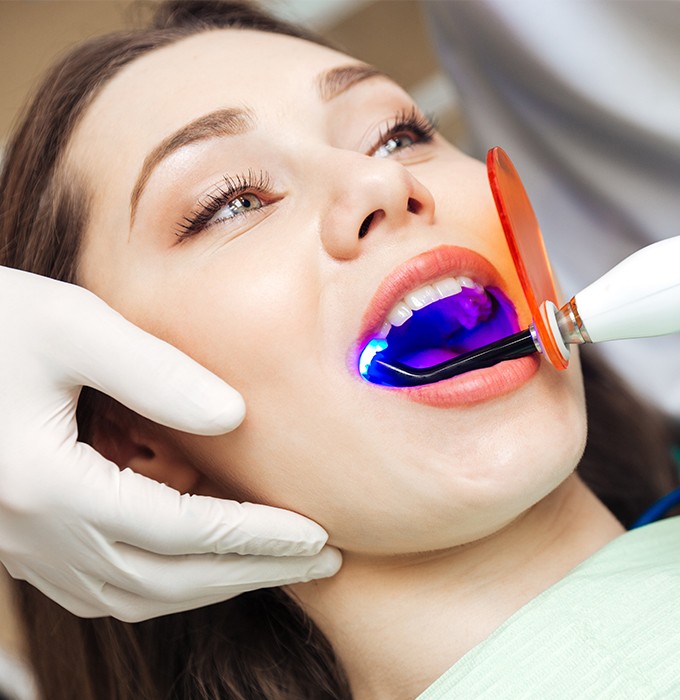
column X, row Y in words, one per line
column 527, row 248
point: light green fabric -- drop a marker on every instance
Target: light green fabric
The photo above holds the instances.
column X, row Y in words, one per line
column 609, row 630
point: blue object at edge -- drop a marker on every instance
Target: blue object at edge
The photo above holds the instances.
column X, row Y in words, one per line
column 659, row 509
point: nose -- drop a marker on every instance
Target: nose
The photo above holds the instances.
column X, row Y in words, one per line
column 371, row 196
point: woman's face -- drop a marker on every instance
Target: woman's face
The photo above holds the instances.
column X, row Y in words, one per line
column 264, row 203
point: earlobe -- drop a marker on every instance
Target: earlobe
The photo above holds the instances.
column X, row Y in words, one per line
column 144, row 449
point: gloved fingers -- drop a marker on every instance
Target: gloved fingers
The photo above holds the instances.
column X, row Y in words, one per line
column 155, row 379
column 59, row 337
column 74, row 590
column 135, row 510
column 159, row 586
column 138, row 585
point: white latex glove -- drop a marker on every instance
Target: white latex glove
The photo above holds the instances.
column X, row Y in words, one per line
column 98, row 540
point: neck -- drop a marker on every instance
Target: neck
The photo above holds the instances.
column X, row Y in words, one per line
column 397, row 624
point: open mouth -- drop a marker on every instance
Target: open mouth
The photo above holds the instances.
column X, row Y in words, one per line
column 439, row 322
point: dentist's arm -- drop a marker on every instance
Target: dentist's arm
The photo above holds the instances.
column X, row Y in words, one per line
column 98, row 540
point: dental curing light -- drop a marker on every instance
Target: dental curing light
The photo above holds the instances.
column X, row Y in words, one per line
column 638, row 298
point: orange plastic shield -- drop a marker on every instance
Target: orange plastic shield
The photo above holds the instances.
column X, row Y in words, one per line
column 524, row 238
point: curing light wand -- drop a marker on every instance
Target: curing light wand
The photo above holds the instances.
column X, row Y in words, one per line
column 638, row 298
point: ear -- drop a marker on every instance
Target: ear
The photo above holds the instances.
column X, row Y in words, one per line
column 136, row 443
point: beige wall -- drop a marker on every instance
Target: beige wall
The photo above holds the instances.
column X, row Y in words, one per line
column 33, row 33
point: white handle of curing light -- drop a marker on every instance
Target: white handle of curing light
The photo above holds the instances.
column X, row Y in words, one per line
column 640, row 297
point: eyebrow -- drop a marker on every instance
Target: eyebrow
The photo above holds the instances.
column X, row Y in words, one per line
column 231, row 122
column 222, row 122
column 335, row 81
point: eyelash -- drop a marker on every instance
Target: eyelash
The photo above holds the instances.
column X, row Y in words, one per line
column 407, row 121
column 421, row 126
column 230, row 188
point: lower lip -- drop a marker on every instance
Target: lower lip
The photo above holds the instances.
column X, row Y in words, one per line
column 475, row 387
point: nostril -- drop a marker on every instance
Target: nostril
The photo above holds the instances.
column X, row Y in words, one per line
column 413, row 206
column 363, row 230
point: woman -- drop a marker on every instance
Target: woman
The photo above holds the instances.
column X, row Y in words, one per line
column 267, row 204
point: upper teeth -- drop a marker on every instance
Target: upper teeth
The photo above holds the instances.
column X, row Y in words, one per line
column 422, row 297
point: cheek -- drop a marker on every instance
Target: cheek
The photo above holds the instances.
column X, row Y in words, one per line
column 251, row 323
column 249, row 317
column 240, row 315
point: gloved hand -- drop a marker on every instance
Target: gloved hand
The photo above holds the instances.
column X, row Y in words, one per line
column 98, row 540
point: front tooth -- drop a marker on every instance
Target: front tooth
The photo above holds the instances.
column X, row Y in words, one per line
column 421, row 297
column 399, row 314
column 470, row 284
column 447, row 287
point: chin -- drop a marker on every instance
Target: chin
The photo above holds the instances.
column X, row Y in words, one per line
column 511, row 467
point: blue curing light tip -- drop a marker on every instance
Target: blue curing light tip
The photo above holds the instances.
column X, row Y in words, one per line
column 369, row 352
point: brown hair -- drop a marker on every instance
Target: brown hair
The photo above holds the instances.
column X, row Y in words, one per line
column 260, row 645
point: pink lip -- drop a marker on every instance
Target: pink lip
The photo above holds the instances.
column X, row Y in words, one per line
column 473, row 387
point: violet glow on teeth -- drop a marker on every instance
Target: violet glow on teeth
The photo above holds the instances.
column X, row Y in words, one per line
column 442, row 331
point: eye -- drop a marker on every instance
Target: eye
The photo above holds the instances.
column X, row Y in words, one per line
column 406, row 130
column 394, row 144
column 241, row 204
column 233, row 198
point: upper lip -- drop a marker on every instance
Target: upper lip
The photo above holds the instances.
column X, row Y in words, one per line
column 443, row 261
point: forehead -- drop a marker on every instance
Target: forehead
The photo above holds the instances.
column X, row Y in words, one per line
column 171, row 86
